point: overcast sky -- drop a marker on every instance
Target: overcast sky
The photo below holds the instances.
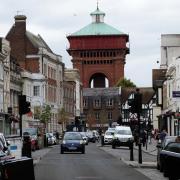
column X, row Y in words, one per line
column 143, row 20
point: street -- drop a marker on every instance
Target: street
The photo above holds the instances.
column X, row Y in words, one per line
column 95, row 164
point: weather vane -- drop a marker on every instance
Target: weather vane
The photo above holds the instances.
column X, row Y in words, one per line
column 97, row 4
column 18, row 12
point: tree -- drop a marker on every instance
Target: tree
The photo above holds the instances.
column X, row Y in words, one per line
column 125, row 83
column 45, row 115
column 62, row 118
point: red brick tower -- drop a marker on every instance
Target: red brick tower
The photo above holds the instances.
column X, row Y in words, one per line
column 99, row 52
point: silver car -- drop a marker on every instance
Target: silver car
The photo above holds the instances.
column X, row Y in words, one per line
column 108, row 137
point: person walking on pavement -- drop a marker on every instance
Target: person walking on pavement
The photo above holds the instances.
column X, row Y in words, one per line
column 163, row 135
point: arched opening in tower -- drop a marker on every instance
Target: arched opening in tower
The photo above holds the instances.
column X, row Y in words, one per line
column 98, row 80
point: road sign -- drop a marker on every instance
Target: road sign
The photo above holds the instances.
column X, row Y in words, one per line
column 176, row 94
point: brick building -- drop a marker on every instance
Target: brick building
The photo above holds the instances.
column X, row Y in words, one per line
column 42, row 72
column 99, row 52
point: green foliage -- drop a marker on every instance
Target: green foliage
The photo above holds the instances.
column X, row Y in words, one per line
column 46, row 114
column 125, row 83
column 62, row 117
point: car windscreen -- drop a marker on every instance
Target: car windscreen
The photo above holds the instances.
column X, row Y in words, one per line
column 83, row 133
column 109, row 133
column 72, row 136
column 123, row 132
column 173, row 147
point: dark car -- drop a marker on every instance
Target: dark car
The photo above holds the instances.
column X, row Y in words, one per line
column 91, row 137
column 160, row 146
column 170, row 160
column 72, row 142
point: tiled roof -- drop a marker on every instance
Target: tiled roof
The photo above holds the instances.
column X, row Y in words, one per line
column 37, row 41
column 112, row 91
column 159, row 76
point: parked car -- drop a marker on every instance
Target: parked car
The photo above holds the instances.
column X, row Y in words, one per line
column 96, row 134
column 32, row 132
column 4, row 145
column 160, row 146
column 170, row 160
column 85, row 137
column 122, row 137
column 108, row 137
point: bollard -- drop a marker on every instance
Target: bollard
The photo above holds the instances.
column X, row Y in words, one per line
column 131, row 152
column 102, row 140
column 45, row 141
column 26, row 149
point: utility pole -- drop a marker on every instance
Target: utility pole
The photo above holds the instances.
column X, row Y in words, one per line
column 138, row 110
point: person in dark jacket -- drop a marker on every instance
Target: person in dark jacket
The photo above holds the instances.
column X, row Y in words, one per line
column 162, row 134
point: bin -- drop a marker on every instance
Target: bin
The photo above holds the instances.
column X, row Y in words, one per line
column 20, row 169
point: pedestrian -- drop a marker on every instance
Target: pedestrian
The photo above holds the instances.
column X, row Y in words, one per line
column 162, row 134
column 153, row 133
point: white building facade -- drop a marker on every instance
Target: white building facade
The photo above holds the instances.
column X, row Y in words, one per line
column 170, row 59
column 4, row 85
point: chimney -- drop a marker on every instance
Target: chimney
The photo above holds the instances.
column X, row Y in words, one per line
column 20, row 23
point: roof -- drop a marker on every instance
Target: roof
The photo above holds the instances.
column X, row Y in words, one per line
column 97, row 11
column 111, row 91
column 37, row 41
column 100, row 28
column 159, row 76
column 97, row 27
column 147, row 94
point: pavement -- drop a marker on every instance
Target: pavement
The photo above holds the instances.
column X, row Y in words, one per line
column 38, row 154
column 149, row 153
column 150, row 147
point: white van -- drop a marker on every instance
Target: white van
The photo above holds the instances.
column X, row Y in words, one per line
column 122, row 137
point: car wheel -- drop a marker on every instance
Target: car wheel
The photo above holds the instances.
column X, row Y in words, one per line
column 161, row 168
column 165, row 171
column 83, row 151
column 113, row 146
column 173, row 178
column 62, row 152
column 158, row 166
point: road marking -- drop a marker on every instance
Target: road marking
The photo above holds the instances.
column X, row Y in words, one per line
column 88, row 177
